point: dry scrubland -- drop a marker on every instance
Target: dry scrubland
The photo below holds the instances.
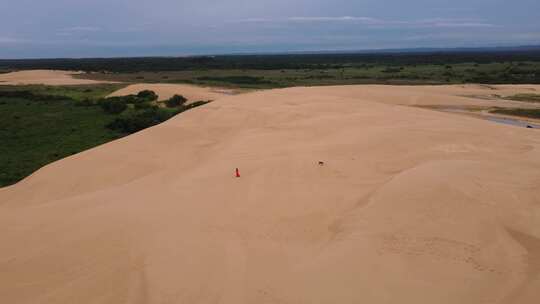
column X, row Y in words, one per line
column 411, row 206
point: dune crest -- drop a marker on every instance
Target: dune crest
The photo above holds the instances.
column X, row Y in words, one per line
column 166, row 91
column 409, row 206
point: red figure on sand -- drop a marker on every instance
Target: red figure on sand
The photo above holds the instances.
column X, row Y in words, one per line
column 237, row 172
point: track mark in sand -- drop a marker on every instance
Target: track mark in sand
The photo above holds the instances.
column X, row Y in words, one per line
column 530, row 285
column 139, row 288
column 269, row 297
column 235, row 283
column 338, row 226
column 439, row 248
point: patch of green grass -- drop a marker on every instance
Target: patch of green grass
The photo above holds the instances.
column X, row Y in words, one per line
column 76, row 92
column 353, row 73
column 139, row 118
column 244, row 81
column 40, row 124
column 525, row 97
column 35, row 132
column 530, row 113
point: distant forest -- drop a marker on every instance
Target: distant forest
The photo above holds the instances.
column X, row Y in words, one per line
column 274, row 62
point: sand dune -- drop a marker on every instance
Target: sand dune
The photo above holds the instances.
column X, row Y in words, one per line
column 46, row 77
column 166, row 91
column 411, row 206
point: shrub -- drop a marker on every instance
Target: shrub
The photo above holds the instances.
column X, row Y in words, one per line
column 196, row 104
column 392, row 70
column 240, row 80
column 147, row 115
column 131, row 99
column 145, row 106
column 113, row 105
column 176, row 101
column 85, row 103
column 148, row 95
column 531, row 113
column 139, row 120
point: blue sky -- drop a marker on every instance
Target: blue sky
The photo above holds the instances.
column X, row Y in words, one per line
column 104, row 28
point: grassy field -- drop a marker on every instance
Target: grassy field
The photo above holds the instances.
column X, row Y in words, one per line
column 42, row 124
column 38, row 129
column 77, row 92
column 489, row 66
column 529, row 113
column 505, row 72
column 534, row 98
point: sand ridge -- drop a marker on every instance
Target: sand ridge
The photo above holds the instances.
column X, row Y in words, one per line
column 411, row 206
column 166, row 91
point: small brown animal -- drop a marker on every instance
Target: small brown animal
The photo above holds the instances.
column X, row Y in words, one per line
column 321, row 163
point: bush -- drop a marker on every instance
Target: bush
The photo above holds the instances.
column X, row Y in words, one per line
column 240, row 80
column 196, row 104
column 131, row 99
column 176, row 101
column 531, row 113
column 85, row 103
column 139, row 120
column 147, row 115
column 113, row 105
column 392, row 70
column 145, row 106
column 148, row 95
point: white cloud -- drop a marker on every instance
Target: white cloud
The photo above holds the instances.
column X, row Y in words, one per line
column 527, row 36
column 341, row 18
column 376, row 22
column 251, row 20
column 82, row 29
column 10, row 40
column 462, row 24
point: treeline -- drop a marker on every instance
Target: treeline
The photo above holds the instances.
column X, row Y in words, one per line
column 31, row 95
column 137, row 112
column 274, row 62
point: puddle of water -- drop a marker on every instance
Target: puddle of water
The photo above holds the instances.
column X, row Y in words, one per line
column 513, row 122
column 506, row 121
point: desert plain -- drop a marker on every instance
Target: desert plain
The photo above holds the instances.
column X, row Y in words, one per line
column 347, row 194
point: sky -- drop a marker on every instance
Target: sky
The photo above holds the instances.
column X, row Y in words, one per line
column 116, row 28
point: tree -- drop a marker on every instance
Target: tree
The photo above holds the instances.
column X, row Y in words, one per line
column 148, row 95
column 113, row 105
column 176, row 101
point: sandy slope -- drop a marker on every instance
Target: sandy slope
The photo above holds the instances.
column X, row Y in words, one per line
column 166, row 91
column 412, row 206
column 46, row 77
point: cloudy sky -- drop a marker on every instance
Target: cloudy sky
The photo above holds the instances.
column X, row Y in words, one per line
column 103, row 28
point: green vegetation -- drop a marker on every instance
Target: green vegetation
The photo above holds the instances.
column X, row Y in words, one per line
column 491, row 66
column 147, row 95
column 113, row 105
column 525, row 97
column 38, row 129
column 240, row 80
column 281, row 62
column 134, row 121
column 39, row 124
column 530, row 113
column 140, row 118
column 176, row 101
column 76, row 92
column 377, row 73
